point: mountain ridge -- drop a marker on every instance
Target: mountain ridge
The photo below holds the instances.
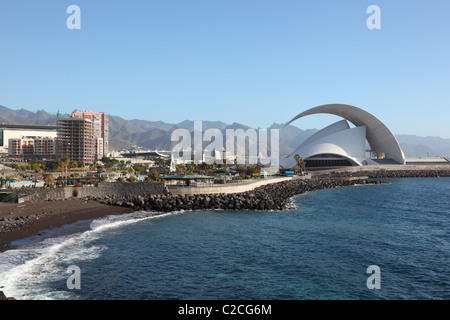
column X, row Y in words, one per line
column 125, row 134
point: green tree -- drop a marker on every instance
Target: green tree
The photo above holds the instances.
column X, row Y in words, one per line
column 153, row 175
column 191, row 168
column 205, row 168
column 180, row 168
column 300, row 164
column 65, row 162
column 109, row 162
column 132, row 179
column 141, row 168
column 37, row 167
column 48, row 180
column 241, row 169
column 73, row 164
column 162, row 163
column 61, row 164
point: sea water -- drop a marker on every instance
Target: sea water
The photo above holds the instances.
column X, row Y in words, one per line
column 321, row 249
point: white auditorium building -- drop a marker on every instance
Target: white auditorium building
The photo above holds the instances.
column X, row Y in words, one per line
column 339, row 144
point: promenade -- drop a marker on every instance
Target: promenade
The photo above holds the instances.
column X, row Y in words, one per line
column 225, row 188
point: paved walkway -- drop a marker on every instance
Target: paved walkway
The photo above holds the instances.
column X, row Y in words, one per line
column 226, row 188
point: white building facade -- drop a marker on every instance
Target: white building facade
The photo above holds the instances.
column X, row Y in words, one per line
column 342, row 145
column 8, row 132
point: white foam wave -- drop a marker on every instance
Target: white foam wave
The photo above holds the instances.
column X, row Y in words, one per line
column 23, row 271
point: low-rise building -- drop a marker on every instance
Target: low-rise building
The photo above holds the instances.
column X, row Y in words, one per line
column 32, row 147
column 13, row 131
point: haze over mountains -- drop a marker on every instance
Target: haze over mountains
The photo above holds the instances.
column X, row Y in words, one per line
column 156, row 134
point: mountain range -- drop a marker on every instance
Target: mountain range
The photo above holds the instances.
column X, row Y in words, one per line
column 124, row 134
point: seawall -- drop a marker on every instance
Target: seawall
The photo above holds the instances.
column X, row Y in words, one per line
column 274, row 196
column 115, row 189
column 393, row 172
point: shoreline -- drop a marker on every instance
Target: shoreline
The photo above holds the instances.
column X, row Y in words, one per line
column 273, row 197
column 20, row 221
column 24, row 220
column 28, row 219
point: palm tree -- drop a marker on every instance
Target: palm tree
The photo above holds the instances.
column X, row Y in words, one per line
column 64, row 164
column 181, row 168
column 48, row 179
column 153, row 175
column 300, row 163
column 191, row 168
column 93, row 165
column 73, row 164
column 224, row 164
column 37, row 167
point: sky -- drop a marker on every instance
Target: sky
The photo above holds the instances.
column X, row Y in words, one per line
column 255, row 62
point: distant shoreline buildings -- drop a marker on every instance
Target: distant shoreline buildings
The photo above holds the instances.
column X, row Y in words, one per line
column 28, row 140
column 84, row 136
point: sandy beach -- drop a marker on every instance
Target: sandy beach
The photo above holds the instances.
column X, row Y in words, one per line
column 34, row 217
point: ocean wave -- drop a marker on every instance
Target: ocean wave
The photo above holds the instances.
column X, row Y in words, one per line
column 23, row 270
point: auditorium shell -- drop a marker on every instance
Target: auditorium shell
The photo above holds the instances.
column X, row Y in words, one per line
column 342, row 145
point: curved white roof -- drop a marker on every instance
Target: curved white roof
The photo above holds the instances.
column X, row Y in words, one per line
column 378, row 135
column 337, row 139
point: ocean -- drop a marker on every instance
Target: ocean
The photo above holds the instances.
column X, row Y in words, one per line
column 320, row 249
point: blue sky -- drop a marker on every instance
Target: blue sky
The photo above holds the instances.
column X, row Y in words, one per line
column 250, row 61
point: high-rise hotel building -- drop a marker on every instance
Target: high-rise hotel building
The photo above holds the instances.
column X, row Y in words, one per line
column 101, row 129
column 76, row 139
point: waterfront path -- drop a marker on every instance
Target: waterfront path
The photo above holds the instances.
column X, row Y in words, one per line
column 226, row 188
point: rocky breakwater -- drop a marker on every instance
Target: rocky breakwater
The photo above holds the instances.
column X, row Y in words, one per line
column 390, row 174
column 268, row 197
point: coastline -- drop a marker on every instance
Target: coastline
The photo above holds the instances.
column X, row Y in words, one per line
column 28, row 219
column 20, row 221
column 31, row 218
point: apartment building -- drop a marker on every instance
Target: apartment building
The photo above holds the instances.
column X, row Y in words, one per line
column 32, row 147
column 76, row 139
column 100, row 121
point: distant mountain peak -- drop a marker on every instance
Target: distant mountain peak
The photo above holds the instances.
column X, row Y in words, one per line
column 156, row 134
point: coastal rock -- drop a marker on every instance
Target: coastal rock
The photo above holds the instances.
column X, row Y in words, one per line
column 269, row 197
column 387, row 174
column 3, row 297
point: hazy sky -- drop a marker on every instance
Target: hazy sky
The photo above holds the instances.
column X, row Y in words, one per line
column 250, row 61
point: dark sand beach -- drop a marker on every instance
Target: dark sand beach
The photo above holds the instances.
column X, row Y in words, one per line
column 18, row 221
column 31, row 218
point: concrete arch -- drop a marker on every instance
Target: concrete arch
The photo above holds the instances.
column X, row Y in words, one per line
column 337, row 139
column 380, row 138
